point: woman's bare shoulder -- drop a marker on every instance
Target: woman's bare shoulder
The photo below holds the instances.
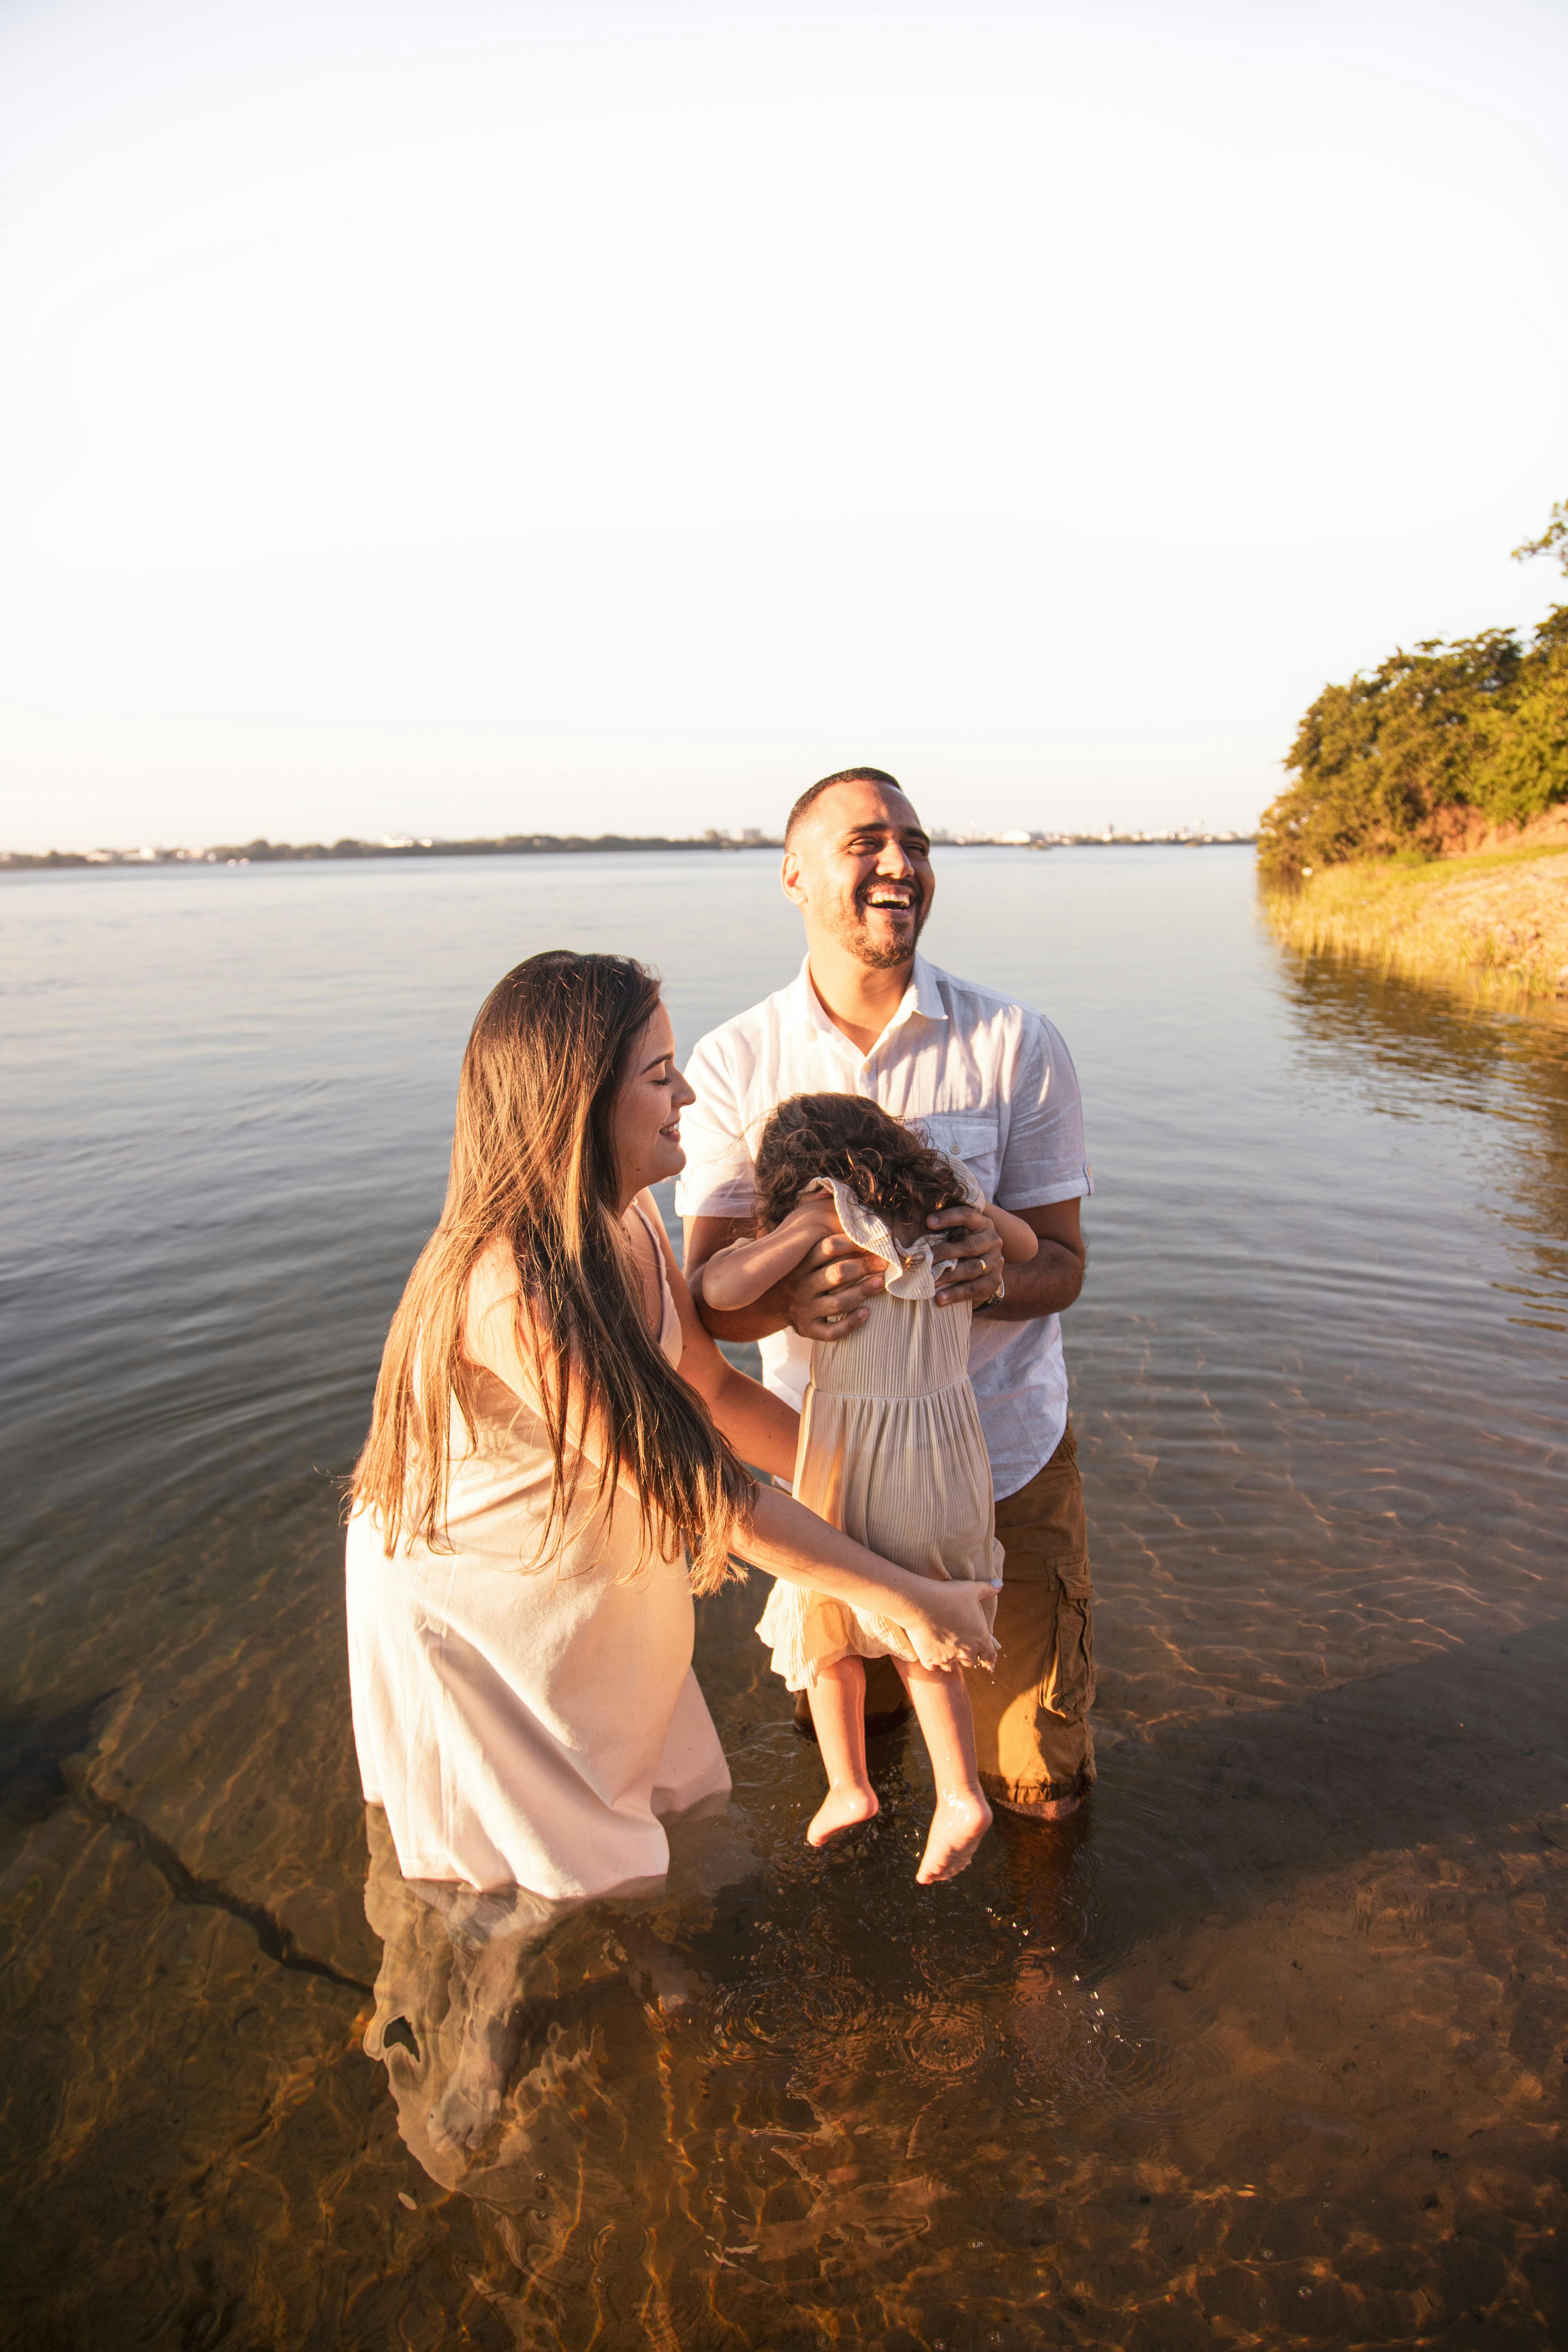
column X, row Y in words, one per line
column 492, row 1284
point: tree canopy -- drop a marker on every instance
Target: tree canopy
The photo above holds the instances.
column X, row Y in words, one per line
column 1379, row 764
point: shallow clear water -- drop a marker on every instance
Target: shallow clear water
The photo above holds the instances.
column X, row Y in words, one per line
column 1268, row 2046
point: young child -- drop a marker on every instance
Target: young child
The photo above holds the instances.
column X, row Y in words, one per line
column 891, row 1443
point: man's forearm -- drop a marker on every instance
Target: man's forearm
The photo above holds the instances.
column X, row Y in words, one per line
column 1045, row 1284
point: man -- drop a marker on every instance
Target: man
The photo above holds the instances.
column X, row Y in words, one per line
column 993, row 1082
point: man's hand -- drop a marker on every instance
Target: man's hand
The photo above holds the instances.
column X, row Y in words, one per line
column 824, row 1297
column 835, row 1279
column 824, row 1294
column 977, row 1246
column 1051, row 1280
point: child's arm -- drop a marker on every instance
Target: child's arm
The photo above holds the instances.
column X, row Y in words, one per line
column 738, row 1276
column 1019, row 1241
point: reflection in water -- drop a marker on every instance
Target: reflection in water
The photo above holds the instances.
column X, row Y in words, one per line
column 1265, row 2047
column 451, row 1998
column 493, row 2012
column 1403, row 1045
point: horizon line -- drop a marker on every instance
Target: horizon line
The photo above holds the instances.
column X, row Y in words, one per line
column 261, row 851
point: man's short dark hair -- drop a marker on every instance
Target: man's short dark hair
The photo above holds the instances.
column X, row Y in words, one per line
column 814, row 793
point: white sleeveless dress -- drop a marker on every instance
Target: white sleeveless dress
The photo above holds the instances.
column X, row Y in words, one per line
column 527, row 1726
column 891, row 1451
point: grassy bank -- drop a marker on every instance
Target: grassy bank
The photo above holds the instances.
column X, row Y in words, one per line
column 1500, row 921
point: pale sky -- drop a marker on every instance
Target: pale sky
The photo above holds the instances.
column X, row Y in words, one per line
column 480, row 415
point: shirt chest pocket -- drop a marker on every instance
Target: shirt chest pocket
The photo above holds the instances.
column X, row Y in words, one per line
column 972, row 1136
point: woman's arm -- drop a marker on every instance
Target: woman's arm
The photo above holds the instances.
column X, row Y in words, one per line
column 761, row 1427
column 945, row 1622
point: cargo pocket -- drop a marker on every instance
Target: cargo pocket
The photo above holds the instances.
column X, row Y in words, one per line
column 1068, row 1689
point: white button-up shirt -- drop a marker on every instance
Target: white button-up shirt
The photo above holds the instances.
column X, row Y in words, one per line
column 988, row 1079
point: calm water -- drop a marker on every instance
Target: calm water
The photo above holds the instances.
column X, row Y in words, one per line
column 1269, row 2046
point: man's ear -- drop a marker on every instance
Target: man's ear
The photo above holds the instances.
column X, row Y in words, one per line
column 789, row 878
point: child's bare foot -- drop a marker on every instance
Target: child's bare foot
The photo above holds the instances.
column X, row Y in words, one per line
column 841, row 1809
column 960, row 1822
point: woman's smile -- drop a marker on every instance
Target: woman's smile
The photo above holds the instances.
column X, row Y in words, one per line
column 647, row 1110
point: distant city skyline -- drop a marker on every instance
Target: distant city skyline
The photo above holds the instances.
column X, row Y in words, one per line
column 264, row 851
column 444, row 416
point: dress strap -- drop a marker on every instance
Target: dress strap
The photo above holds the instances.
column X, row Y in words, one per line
column 669, row 1320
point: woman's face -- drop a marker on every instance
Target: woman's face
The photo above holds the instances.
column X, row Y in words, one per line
column 646, row 1122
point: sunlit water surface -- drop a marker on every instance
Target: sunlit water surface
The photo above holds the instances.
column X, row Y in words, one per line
column 1267, row 2047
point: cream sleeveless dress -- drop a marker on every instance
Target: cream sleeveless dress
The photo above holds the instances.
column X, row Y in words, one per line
column 891, row 1451
column 527, row 1726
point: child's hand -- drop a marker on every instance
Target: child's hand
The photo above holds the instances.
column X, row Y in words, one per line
column 814, row 1216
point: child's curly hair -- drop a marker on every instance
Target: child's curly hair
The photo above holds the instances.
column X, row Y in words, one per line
column 885, row 1164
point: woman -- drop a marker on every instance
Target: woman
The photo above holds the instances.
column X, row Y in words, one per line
column 519, row 1610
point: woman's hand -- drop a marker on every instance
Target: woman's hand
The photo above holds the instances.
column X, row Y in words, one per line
column 945, row 1622
column 947, row 1626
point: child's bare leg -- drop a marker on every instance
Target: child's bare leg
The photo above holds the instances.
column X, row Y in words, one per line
column 838, row 1712
column 962, row 1818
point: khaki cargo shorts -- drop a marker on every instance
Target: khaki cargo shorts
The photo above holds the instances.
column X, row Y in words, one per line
column 1032, row 1734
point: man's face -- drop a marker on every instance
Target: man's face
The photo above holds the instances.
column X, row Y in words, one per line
column 860, row 870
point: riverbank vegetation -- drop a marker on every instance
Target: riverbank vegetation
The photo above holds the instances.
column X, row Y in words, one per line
column 1426, row 820
column 1498, row 921
column 1436, row 749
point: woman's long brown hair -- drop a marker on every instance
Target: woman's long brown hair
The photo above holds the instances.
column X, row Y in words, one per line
column 533, row 1158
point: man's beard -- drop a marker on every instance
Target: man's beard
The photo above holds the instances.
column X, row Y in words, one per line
column 879, row 954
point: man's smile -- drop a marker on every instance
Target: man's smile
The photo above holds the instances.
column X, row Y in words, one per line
column 901, row 896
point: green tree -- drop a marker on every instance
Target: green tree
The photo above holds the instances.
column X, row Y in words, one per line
column 1553, row 540
column 1524, row 768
